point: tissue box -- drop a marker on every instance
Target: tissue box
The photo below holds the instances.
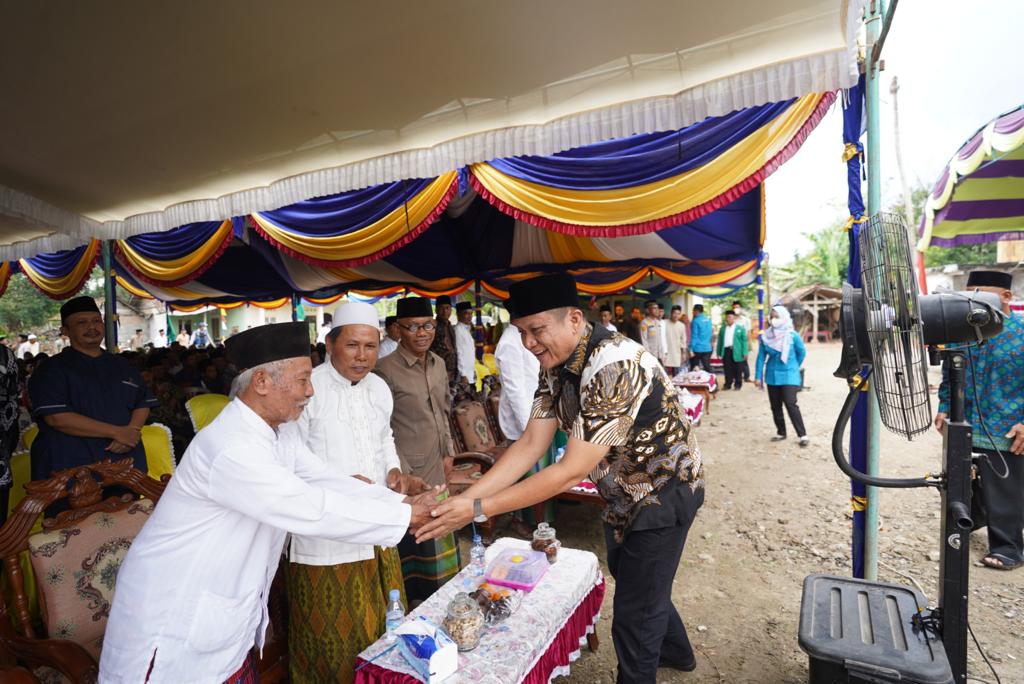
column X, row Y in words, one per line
column 428, row 649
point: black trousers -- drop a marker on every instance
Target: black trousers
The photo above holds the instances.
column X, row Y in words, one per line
column 785, row 394
column 733, row 370
column 646, row 628
column 701, row 360
column 746, row 369
column 999, row 503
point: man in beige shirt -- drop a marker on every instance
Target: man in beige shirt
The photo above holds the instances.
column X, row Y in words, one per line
column 418, row 380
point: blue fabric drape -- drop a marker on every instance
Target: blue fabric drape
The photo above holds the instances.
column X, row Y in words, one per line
column 853, row 128
column 639, row 159
column 56, row 264
column 175, row 243
column 346, row 212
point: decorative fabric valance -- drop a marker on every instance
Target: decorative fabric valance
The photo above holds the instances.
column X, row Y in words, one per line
column 357, row 227
column 644, row 183
column 59, row 275
column 177, row 256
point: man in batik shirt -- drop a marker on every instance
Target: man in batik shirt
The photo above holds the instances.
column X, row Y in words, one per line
column 994, row 405
column 629, row 434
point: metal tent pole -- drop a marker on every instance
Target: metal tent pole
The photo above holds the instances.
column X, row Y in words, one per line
column 109, row 308
column 875, row 12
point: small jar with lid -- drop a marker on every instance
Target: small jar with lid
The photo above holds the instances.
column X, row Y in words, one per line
column 544, row 540
column 464, row 622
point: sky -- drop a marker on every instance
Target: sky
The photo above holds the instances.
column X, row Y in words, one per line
column 958, row 64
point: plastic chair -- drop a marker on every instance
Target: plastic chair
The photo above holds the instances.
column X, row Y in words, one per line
column 203, row 408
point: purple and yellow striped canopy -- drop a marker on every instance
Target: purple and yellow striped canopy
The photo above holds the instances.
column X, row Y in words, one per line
column 980, row 195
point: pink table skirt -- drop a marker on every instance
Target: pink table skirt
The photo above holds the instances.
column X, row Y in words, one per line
column 563, row 650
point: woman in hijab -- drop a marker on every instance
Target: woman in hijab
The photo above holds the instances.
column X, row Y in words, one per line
column 780, row 354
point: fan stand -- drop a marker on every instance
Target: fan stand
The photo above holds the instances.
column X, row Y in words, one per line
column 833, row 624
column 954, row 563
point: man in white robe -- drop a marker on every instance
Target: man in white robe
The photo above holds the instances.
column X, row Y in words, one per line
column 191, row 597
column 347, row 424
column 465, row 346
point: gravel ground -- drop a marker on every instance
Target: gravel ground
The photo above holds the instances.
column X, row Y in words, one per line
column 775, row 513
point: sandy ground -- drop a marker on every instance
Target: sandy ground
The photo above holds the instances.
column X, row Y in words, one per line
column 775, row 513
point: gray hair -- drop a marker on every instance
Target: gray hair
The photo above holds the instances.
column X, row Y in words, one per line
column 275, row 369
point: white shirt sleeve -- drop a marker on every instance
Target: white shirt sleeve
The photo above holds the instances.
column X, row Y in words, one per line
column 312, row 501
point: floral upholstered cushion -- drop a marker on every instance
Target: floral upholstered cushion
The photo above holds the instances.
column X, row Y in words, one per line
column 472, row 422
column 76, row 568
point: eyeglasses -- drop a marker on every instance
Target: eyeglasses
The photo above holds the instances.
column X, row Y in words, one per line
column 416, row 327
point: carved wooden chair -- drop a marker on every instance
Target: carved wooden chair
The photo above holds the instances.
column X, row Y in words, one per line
column 75, row 556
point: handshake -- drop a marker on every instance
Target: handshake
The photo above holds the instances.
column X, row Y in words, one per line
column 422, row 506
column 433, row 513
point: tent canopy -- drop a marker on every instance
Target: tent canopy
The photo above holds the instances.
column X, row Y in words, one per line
column 129, row 118
column 685, row 205
column 979, row 197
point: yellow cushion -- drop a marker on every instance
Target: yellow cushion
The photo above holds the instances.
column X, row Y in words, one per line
column 203, row 408
column 156, row 440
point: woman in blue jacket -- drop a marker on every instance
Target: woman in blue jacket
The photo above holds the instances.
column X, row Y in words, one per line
column 780, row 354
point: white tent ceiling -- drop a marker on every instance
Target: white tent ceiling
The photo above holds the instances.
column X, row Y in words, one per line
column 123, row 117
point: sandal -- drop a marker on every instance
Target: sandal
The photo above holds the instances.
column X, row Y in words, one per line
column 998, row 561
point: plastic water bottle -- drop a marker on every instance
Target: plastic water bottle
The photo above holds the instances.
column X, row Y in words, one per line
column 395, row 614
column 477, row 564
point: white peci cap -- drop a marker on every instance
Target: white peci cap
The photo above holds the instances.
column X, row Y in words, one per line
column 355, row 313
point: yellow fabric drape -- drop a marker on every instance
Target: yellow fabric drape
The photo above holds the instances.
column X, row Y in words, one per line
column 60, row 288
column 568, row 249
column 656, row 200
column 128, row 287
column 5, row 275
column 705, row 280
column 324, row 301
column 187, row 308
column 272, row 304
column 176, row 269
column 369, row 239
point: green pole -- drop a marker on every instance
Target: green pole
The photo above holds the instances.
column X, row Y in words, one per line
column 875, row 11
column 109, row 310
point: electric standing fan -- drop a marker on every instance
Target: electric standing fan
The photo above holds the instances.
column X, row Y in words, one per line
column 859, row 631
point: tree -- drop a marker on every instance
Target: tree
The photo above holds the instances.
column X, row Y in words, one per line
column 824, row 264
column 23, row 307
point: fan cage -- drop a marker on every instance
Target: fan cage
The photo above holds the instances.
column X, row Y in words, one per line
column 893, row 321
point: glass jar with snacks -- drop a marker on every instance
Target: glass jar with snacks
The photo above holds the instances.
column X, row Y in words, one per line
column 464, row 622
column 544, row 540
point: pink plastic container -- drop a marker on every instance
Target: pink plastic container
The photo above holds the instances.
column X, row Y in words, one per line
column 519, row 569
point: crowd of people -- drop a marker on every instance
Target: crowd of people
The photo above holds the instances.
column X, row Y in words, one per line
column 345, row 445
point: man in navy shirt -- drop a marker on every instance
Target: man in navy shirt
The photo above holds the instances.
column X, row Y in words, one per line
column 89, row 405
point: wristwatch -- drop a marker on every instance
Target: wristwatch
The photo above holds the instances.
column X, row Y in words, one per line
column 478, row 512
